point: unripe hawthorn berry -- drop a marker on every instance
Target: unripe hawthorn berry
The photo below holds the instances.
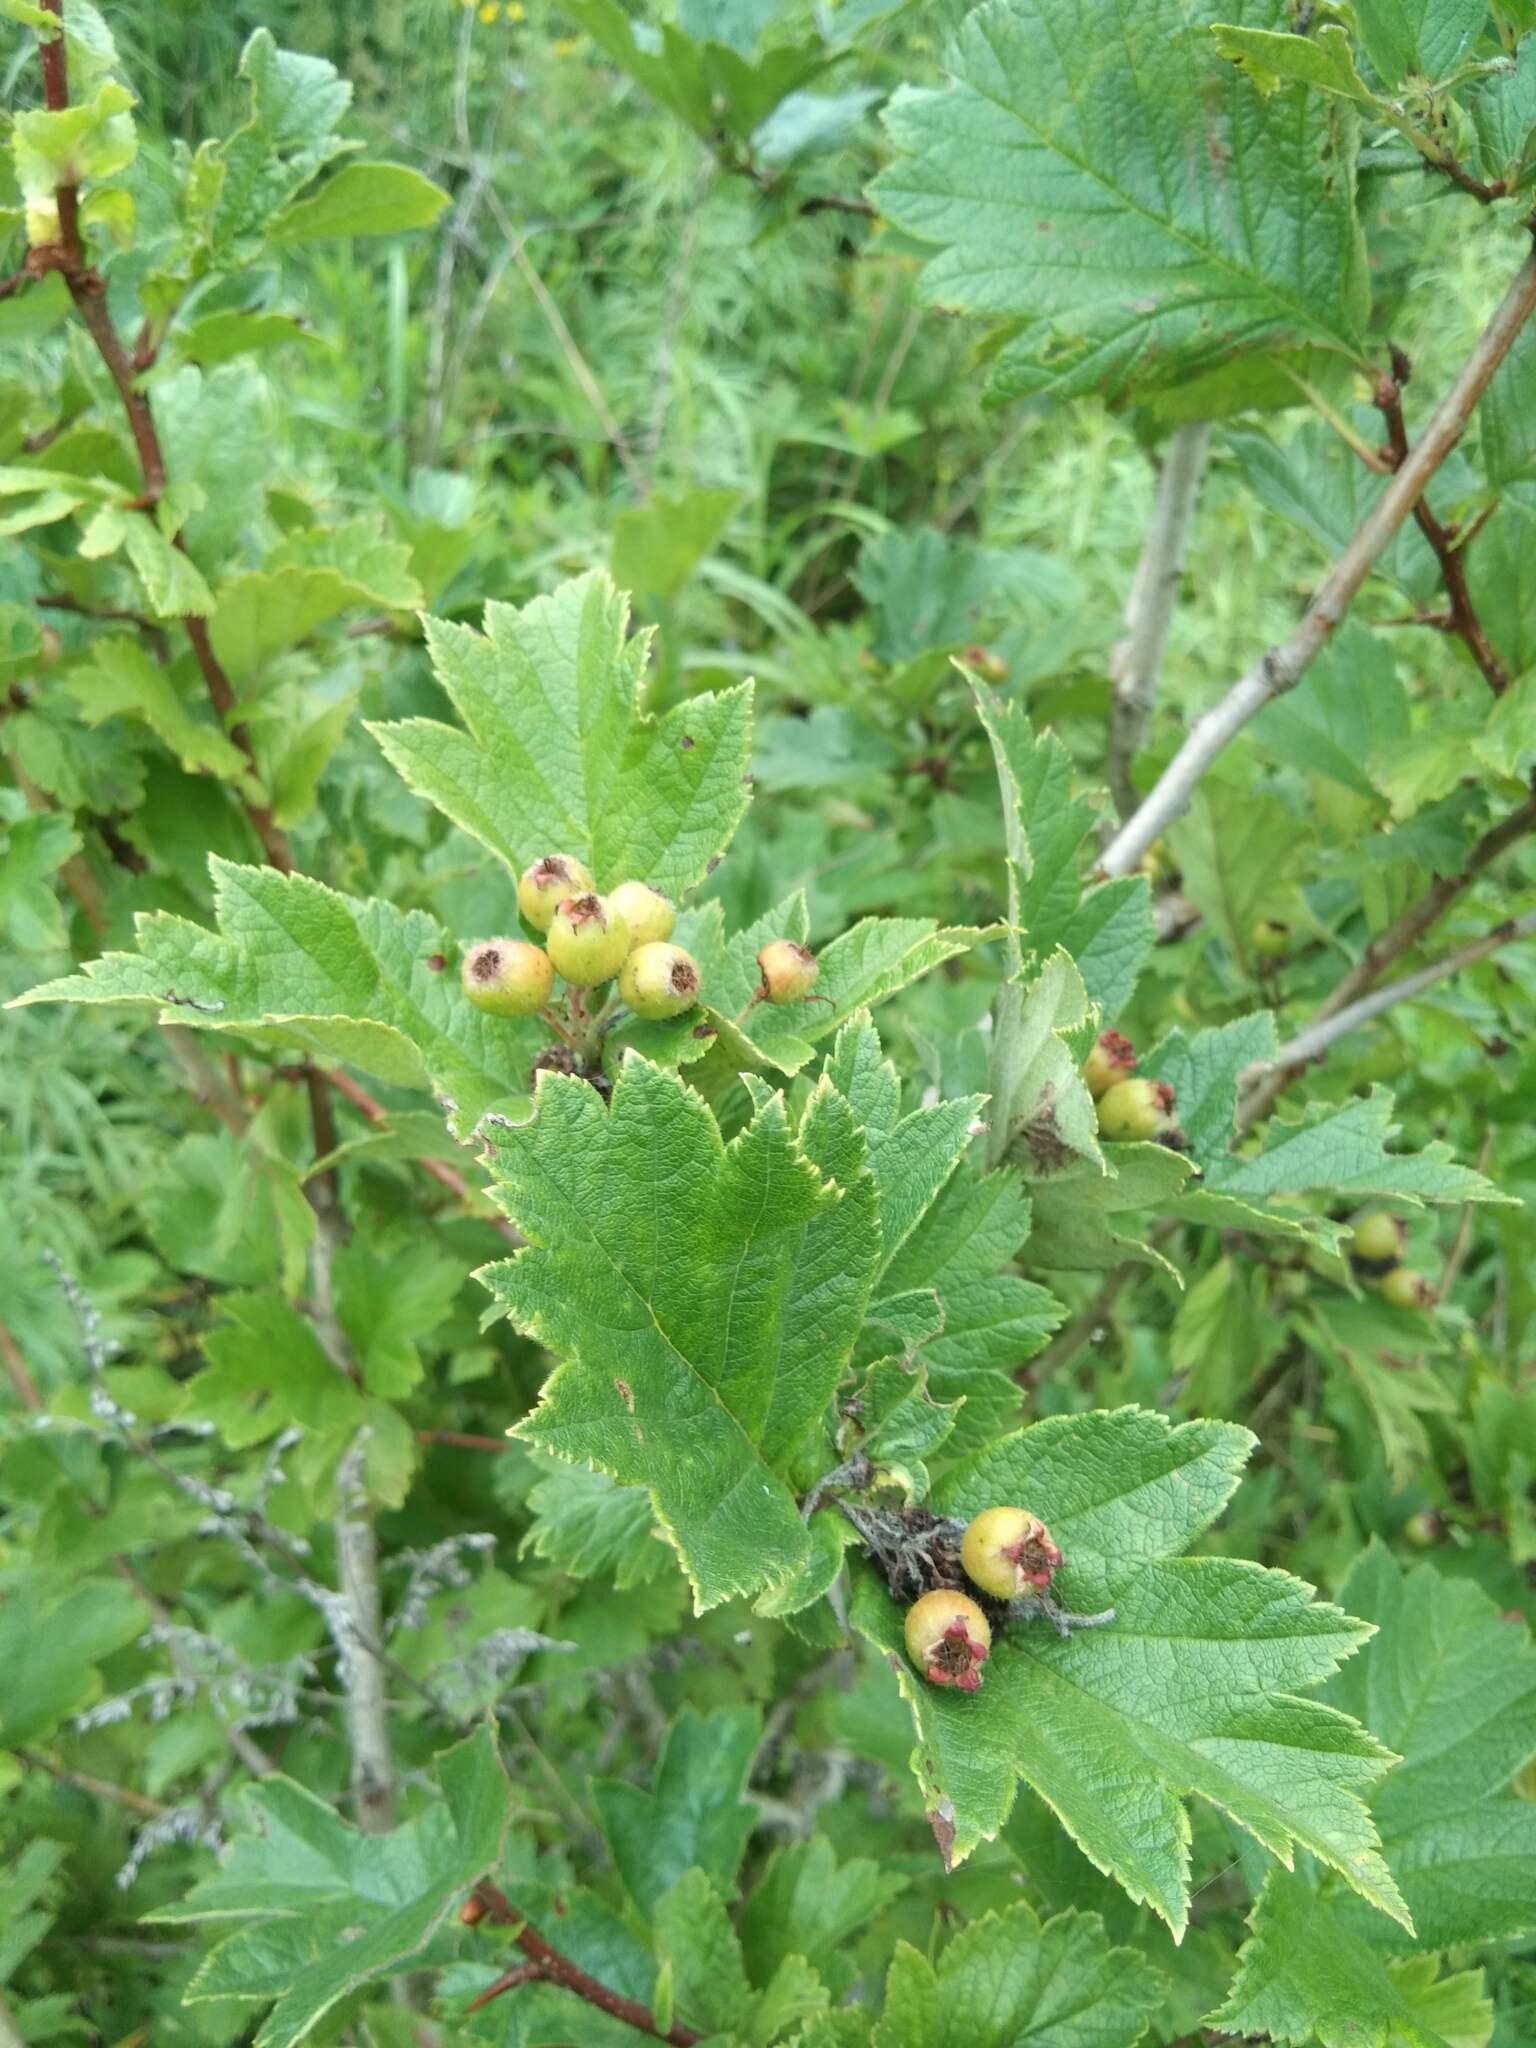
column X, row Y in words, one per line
column 1423, row 1529
column 1136, row 1109
column 507, row 977
column 1405, row 1289
column 948, row 1639
column 588, row 940
column 789, row 971
column 1270, row 939
column 1009, row 1552
column 545, row 885
column 1112, row 1059
column 659, row 980
column 1376, row 1244
column 649, row 915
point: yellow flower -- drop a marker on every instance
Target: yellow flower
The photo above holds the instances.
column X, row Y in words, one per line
column 489, row 11
column 566, row 46
column 516, row 11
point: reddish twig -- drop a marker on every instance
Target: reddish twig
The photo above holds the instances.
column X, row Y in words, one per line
column 1449, row 546
column 88, row 291
column 444, row 1174
column 525, row 1973
column 555, row 1968
column 16, row 1370
column 463, row 1441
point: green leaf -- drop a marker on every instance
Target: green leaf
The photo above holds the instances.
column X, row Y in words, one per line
column 1118, row 278
column 1345, row 1150
column 1323, row 59
column 333, row 1909
column 808, row 1904
column 658, row 545
column 173, row 584
column 697, row 1816
column 220, row 337
column 592, row 1528
column 1304, row 1977
column 1194, row 1688
column 1039, row 1097
column 1452, row 1685
column 294, row 963
column 557, row 755
column 703, row 1298
column 1347, row 707
column 1108, row 931
column 306, row 579
column 706, row 83
column 267, row 1371
column 51, row 1641
column 119, row 680
column 1426, row 37
column 239, row 185
column 701, row 1957
column 74, row 145
column 1237, row 849
column 361, row 199
column 1502, row 110
column 1006, row 1980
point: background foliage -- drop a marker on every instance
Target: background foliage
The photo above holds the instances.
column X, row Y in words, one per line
column 860, row 344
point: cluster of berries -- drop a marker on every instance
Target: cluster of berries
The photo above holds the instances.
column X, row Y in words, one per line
column 1008, row 1554
column 1376, row 1254
column 1129, row 1108
column 588, row 939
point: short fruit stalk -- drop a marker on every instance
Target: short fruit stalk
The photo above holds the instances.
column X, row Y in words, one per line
column 649, row 915
column 948, row 1639
column 588, row 940
column 1009, row 1553
column 545, row 885
column 1112, row 1059
column 507, row 977
column 658, row 981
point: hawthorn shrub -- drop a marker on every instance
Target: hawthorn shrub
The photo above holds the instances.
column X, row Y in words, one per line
column 672, row 1359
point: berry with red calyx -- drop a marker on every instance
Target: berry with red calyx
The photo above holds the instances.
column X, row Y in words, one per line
column 789, row 971
column 1137, row 1110
column 1405, row 1289
column 1112, row 1059
column 649, row 915
column 545, row 885
column 507, row 977
column 1008, row 1552
column 1423, row 1529
column 1270, row 939
column 588, row 940
column 1376, row 1244
column 659, row 980
column 948, row 1639
column 989, row 666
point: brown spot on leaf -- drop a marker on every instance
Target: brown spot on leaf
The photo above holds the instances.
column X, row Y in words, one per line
column 703, row 1030
column 687, row 743
column 626, row 1394
column 437, row 962
column 942, row 1820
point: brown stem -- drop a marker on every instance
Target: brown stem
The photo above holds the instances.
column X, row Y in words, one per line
column 99, row 1788
column 16, row 1371
column 461, row 1440
column 444, row 1174
column 525, row 1973
column 1390, row 945
column 558, row 1969
column 1462, row 618
column 88, row 292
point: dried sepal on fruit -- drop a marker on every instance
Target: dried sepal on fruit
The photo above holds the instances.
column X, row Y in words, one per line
column 507, row 977
column 1008, row 1552
column 588, row 940
column 948, row 1639
column 649, row 915
column 1112, row 1059
column 659, row 980
column 788, row 971
column 544, row 886
column 1406, row 1289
